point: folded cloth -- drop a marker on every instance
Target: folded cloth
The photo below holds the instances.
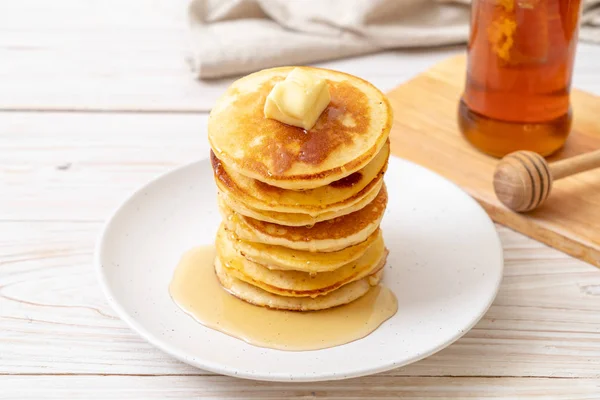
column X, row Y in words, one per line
column 230, row 37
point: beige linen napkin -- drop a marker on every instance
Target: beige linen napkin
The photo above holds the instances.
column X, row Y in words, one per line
column 232, row 37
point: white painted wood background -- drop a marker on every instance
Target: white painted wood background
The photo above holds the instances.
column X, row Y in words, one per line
column 95, row 99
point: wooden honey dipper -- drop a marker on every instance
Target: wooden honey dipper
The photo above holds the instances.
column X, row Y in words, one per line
column 523, row 179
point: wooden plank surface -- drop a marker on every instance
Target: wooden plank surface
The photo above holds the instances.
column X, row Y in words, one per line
column 544, row 323
column 80, row 166
column 217, row 387
column 130, row 55
column 114, row 55
column 128, row 111
column 68, row 170
column 426, row 131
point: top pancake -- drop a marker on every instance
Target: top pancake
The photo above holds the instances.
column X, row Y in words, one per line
column 348, row 134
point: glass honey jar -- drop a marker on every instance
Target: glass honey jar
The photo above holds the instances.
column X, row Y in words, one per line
column 519, row 65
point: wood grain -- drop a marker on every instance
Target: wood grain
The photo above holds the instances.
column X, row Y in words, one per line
column 129, row 110
column 522, row 180
column 544, row 323
column 80, row 166
column 574, row 165
column 197, row 387
column 425, row 131
column 114, row 55
column 130, row 55
column 66, row 173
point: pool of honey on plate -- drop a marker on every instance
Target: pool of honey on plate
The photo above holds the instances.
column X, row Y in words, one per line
column 196, row 289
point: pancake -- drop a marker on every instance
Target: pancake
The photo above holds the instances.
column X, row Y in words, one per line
column 346, row 137
column 333, row 197
column 296, row 219
column 283, row 258
column 259, row 297
column 297, row 283
column 326, row 236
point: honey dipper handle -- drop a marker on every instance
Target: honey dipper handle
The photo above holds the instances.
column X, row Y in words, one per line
column 574, row 165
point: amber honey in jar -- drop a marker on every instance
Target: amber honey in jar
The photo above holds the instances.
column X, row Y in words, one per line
column 520, row 62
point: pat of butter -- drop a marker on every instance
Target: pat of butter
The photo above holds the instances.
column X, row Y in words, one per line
column 299, row 100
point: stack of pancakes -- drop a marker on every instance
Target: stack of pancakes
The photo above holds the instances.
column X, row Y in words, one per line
column 301, row 209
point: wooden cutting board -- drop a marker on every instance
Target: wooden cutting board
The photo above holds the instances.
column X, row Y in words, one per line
column 426, row 132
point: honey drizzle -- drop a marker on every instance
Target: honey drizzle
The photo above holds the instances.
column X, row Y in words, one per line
column 196, row 290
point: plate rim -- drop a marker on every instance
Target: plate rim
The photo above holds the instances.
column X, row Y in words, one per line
column 222, row 369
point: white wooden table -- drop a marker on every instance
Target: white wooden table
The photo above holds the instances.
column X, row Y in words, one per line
column 96, row 99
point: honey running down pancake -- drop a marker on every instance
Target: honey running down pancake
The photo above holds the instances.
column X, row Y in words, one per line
column 259, row 297
column 346, row 137
column 336, row 196
column 326, row 236
column 296, row 219
column 297, row 283
column 283, row 258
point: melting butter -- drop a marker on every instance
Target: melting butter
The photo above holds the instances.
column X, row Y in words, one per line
column 196, row 289
column 299, row 100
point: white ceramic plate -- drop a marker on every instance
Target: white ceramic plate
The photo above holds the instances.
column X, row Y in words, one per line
column 445, row 267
